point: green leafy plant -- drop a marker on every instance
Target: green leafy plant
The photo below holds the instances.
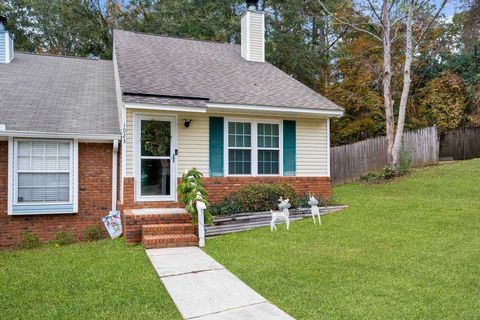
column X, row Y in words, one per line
column 63, row 238
column 156, row 137
column 386, row 173
column 263, row 197
column 224, row 207
column 93, row 233
column 191, row 189
column 29, row 240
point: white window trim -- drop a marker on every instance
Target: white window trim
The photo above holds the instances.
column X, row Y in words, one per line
column 13, row 178
column 137, row 118
column 254, row 147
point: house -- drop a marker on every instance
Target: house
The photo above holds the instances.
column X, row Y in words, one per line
column 83, row 137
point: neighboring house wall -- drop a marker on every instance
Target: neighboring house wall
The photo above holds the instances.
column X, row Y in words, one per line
column 95, row 198
column 193, row 143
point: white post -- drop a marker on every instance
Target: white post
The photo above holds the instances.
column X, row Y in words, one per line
column 201, row 223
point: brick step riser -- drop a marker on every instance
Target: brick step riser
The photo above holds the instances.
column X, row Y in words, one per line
column 168, row 242
column 168, row 227
column 165, row 232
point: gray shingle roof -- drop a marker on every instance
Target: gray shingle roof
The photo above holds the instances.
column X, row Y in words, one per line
column 164, row 66
column 58, row 95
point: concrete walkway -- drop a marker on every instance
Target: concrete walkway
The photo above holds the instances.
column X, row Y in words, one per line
column 203, row 289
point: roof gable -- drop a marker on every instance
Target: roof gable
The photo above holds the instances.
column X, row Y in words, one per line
column 173, row 67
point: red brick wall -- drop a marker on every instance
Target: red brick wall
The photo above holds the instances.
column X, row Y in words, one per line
column 129, row 198
column 95, row 198
column 220, row 187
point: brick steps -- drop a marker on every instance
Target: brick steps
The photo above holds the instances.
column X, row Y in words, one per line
column 135, row 219
column 160, row 227
column 169, row 240
column 171, row 228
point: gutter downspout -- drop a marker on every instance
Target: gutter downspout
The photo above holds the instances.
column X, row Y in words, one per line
column 114, row 174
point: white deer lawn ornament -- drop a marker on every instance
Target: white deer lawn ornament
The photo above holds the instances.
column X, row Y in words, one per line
column 315, row 211
column 282, row 214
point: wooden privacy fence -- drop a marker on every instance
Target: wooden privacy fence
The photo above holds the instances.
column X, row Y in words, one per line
column 349, row 162
column 460, row 144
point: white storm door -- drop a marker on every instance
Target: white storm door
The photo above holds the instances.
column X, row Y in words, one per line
column 155, row 163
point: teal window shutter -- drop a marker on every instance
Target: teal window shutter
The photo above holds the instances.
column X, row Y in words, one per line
column 289, row 147
column 216, row 146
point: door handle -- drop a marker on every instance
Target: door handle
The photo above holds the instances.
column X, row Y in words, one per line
column 175, row 154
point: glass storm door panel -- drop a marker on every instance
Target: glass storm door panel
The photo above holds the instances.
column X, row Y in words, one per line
column 156, row 159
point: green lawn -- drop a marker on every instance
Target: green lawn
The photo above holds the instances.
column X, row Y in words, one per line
column 102, row 280
column 409, row 249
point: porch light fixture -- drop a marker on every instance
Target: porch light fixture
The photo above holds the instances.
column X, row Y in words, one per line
column 186, row 122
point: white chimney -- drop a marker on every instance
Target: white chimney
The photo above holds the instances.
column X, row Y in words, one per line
column 6, row 42
column 253, row 33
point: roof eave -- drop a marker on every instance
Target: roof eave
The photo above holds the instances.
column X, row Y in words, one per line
column 259, row 109
column 60, row 135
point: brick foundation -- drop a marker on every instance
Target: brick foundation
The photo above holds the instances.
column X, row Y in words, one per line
column 94, row 202
column 220, row 187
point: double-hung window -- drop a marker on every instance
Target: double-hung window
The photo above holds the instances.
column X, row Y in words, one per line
column 253, row 147
column 268, row 148
column 43, row 172
column 239, row 148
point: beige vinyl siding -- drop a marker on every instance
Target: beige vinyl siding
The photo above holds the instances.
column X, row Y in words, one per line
column 244, row 37
column 256, row 37
column 252, row 36
column 193, row 142
column 312, row 147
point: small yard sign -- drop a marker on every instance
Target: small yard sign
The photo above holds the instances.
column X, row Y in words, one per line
column 113, row 224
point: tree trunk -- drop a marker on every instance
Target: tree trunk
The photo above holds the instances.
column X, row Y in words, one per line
column 387, row 79
column 406, row 87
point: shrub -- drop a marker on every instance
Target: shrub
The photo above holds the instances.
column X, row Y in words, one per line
column 260, row 197
column 263, row 197
column 93, row 233
column 63, row 238
column 29, row 240
column 226, row 206
column 254, row 198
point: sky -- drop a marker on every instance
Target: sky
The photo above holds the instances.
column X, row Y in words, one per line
column 450, row 8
